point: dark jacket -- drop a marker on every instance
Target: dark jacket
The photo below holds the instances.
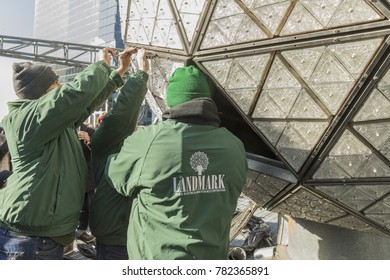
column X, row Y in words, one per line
column 5, row 158
column 185, row 174
column 90, row 185
column 45, row 193
column 110, row 211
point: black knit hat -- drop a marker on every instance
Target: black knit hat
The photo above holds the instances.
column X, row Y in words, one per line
column 32, row 81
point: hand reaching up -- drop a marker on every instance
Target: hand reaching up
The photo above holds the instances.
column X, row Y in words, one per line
column 125, row 60
column 142, row 60
column 106, row 55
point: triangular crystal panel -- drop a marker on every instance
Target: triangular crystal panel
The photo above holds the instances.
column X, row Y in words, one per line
column 248, row 29
column 243, row 98
column 332, row 94
column 157, row 22
column 304, row 61
column 280, row 77
column 330, row 170
column 189, row 12
column 386, row 150
column 215, row 36
column 352, row 222
column 356, row 55
column 228, row 25
column 294, row 145
column 376, row 107
column 333, row 191
column 322, row 10
column 270, row 14
column 284, row 99
column 375, row 191
column 352, row 12
column 238, row 77
column 136, row 32
column 379, row 208
column 266, row 107
column 356, row 204
column 349, row 163
column 226, row 8
column 271, row 130
column 354, row 193
column 374, row 167
column 254, row 65
column 123, row 5
column 300, row 20
column 350, row 155
column 383, row 219
column 384, row 84
column 219, row 69
column 329, row 70
column 348, row 144
column 306, row 108
column 141, row 21
column 260, row 3
column 310, row 131
column 376, row 133
column 189, row 22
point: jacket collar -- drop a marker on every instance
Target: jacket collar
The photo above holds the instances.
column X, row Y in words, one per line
column 197, row 111
column 14, row 104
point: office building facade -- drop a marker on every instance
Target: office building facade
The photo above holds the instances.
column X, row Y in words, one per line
column 90, row 22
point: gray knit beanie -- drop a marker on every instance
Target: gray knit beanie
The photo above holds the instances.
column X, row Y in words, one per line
column 32, row 81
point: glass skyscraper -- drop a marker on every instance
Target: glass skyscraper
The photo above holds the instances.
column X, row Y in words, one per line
column 90, row 22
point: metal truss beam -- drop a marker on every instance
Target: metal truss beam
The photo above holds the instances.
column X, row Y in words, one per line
column 52, row 52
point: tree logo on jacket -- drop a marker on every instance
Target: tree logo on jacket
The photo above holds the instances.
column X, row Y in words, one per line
column 199, row 162
column 188, row 184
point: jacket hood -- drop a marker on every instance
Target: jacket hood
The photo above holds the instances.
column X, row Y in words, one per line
column 198, row 111
column 14, row 104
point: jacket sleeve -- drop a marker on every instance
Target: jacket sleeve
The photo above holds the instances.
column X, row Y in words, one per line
column 124, row 169
column 114, row 81
column 62, row 107
column 119, row 122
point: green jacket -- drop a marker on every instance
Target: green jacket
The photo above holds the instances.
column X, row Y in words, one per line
column 186, row 174
column 110, row 211
column 45, row 193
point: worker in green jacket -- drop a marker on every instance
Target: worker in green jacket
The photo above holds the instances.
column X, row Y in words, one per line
column 185, row 175
column 109, row 215
column 40, row 206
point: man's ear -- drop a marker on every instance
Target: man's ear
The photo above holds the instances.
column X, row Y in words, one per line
column 54, row 85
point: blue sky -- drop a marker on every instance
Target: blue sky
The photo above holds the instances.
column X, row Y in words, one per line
column 16, row 19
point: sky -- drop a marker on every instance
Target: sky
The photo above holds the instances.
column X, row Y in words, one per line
column 16, row 19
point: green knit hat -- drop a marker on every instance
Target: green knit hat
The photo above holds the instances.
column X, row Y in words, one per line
column 185, row 84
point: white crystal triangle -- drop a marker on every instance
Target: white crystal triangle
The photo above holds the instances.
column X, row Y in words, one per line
column 304, row 60
column 271, row 15
column 356, row 55
column 376, row 133
column 280, row 77
column 219, row 69
column 300, row 21
column 377, row 106
column 271, row 130
column 322, row 10
column 243, row 98
column 351, row 12
column 306, row 108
